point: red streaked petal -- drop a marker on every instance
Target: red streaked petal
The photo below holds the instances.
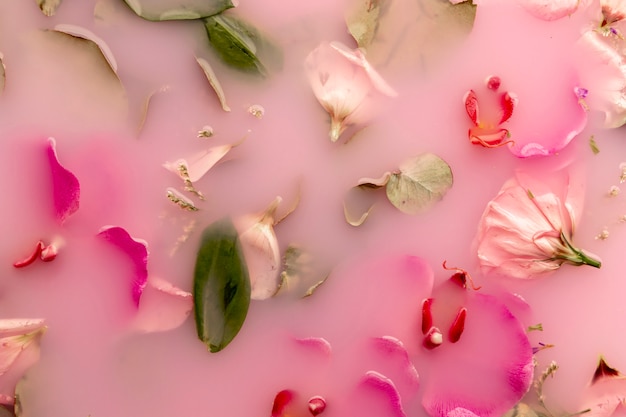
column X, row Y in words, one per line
column 508, row 101
column 65, row 186
column 471, row 105
column 136, row 249
column 32, row 257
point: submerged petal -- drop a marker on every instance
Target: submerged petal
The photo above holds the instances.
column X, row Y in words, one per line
column 137, row 251
column 19, row 349
column 550, row 9
column 162, row 307
column 65, row 186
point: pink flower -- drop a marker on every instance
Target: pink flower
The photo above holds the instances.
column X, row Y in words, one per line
column 344, row 83
column 527, row 229
column 487, row 130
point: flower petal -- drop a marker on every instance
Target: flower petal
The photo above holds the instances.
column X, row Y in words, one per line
column 19, row 349
column 495, row 375
column 137, row 251
column 65, row 186
column 162, row 307
column 550, row 9
column 200, row 163
column 384, row 386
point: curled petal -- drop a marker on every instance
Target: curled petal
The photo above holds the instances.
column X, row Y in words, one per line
column 551, row 9
column 386, row 387
column 162, row 307
column 318, row 344
column 65, row 186
column 137, row 251
column 508, row 101
column 489, row 138
column 19, row 349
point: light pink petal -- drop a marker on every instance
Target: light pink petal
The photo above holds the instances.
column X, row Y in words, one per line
column 572, row 119
column 162, row 307
column 550, row 9
column 201, row 162
column 317, row 344
column 65, row 186
column 476, row 374
column 19, row 349
column 605, row 398
column 137, row 251
column 461, row 412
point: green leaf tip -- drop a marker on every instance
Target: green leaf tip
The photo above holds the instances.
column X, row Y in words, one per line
column 221, row 288
column 242, row 46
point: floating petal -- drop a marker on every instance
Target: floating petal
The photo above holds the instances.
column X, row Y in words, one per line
column 65, row 186
column 162, row 307
column 137, row 251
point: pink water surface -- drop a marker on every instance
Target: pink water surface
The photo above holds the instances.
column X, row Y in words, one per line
column 92, row 364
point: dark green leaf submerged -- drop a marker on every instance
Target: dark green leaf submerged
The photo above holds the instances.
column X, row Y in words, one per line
column 159, row 10
column 242, row 46
column 221, row 289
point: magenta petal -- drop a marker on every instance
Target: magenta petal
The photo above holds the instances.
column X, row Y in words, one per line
column 136, row 249
column 478, row 374
column 65, row 185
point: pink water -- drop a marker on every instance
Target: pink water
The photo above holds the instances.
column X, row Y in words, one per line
column 92, row 364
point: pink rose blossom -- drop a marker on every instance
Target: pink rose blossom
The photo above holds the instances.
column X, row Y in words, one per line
column 344, row 83
column 527, row 229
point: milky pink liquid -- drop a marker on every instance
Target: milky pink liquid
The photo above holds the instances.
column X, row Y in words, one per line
column 91, row 364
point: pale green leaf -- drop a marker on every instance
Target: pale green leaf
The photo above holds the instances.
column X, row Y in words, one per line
column 362, row 19
column 418, row 34
column 242, row 46
column 420, row 183
column 158, row 10
column 221, row 288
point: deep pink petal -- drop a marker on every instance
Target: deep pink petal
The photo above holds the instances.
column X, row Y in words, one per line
column 65, row 186
column 137, row 251
column 476, row 373
column 281, row 402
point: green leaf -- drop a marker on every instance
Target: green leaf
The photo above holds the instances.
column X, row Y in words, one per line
column 221, row 288
column 242, row 46
column 420, row 183
column 158, row 10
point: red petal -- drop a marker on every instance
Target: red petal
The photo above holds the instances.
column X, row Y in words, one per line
column 508, row 101
column 281, row 401
column 458, row 325
column 471, row 105
column 427, row 315
column 31, row 258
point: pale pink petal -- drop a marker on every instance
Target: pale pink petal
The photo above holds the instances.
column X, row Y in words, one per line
column 136, row 250
column 476, row 374
column 162, row 307
column 19, row 349
column 550, row 9
column 65, row 186
column 317, row 344
column 461, row 412
column 200, row 163
column 603, row 72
